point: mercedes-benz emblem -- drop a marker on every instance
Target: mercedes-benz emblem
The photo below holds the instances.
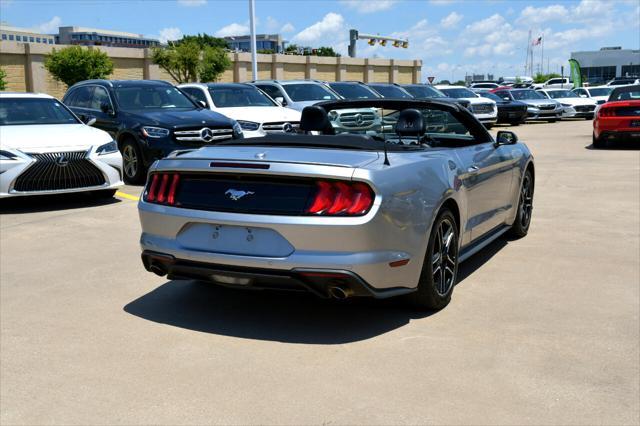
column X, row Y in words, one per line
column 206, row 134
column 359, row 119
column 287, row 127
column 62, row 161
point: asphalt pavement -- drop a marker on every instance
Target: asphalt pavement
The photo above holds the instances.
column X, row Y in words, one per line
column 542, row 330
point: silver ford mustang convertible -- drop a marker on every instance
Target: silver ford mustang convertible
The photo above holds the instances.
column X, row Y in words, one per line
column 384, row 213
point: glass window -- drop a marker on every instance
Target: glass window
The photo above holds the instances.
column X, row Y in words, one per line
column 10, row 36
column 461, row 92
column 26, row 111
column 31, row 39
column 4, row 36
column 271, row 90
column 18, row 38
column 628, row 93
column 80, row 97
column 229, row 97
column 630, row 70
column 100, row 96
column 152, row 97
column 390, row 91
column 308, row 92
column 600, row 91
column 424, row 92
column 353, row 91
column 526, row 94
column 559, row 94
column 195, row 93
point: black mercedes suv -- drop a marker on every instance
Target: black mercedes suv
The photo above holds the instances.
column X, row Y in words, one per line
column 148, row 119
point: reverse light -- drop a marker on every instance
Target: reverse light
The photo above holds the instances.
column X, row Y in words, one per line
column 333, row 198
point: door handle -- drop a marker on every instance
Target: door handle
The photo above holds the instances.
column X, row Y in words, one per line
column 473, row 169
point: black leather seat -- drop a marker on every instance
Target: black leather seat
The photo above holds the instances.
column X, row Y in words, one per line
column 315, row 118
column 410, row 123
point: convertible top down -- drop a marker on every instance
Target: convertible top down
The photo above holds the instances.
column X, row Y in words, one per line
column 340, row 211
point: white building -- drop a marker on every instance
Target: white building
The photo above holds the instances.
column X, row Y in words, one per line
column 608, row 62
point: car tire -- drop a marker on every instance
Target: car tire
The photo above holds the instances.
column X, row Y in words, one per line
column 440, row 267
column 105, row 194
column 520, row 226
column 132, row 165
column 597, row 143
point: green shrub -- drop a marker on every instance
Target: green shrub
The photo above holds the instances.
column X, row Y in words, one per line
column 3, row 81
column 73, row 64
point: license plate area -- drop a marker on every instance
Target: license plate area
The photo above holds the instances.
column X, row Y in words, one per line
column 235, row 240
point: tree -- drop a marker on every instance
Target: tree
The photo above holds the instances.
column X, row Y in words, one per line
column 541, row 78
column 293, row 48
column 326, row 51
column 204, row 40
column 188, row 61
column 73, row 64
column 3, row 81
column 445, row 82
column 459, row 83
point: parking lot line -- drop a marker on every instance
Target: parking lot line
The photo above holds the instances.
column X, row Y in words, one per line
column 127, row 196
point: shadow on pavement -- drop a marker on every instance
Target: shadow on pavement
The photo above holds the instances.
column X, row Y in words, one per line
column 42, row 203
column 616, row 146
column 282, row 317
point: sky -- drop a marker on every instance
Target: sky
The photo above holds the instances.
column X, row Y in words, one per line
column 452, row 37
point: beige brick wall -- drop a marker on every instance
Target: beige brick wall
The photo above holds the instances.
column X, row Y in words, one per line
column 24, row 65
column 14, row 66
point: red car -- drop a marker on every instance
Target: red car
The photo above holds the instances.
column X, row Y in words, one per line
column 619, row 117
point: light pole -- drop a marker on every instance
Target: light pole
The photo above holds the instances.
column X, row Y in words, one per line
column 252, row 20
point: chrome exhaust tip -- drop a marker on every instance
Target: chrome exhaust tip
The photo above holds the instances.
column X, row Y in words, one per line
column 158, row 270
column 340, row 293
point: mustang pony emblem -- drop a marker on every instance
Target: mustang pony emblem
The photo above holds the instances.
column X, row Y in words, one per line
column 235, row 195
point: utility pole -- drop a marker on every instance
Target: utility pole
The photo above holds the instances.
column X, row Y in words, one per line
column 252, row 20
column 526, row 60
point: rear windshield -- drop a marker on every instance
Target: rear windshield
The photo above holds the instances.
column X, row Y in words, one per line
column 631, row 93
column 308, row 92
column 152, row 97
column 391, row 92
column 27, row 111
column 526, row 94
column 353, row 91
column 600, row 91
column 423, row 92
column 230, row 97
column 459, row 93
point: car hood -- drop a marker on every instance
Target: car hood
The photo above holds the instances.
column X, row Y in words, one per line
column 538, row 102
column 52, row 137
column 181, row 118
column 576, row 101
column 261, row 114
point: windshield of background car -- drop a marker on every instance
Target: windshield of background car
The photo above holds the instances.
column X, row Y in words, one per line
column 26, row 111
column 391, row 92
column 526, row 94
column 485, row 86
column 230, row 97
column 422, row 92
column 151, row 97
column 308, row 92
column 459, row 93
column 601, row 91
column 626, row 94
column 381, row 122
column 559, row 94
column 493, row 97
column 353, row 91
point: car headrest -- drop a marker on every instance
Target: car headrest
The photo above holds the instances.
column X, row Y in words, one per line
column 314, row 118
column 410, row 123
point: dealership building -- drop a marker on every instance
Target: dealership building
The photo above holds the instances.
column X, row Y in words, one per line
column 608, row 62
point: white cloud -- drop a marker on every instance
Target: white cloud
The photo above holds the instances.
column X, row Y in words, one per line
column 442, row 2
column 331, row 27
column 287, row 28
column 487, row 25
column 192, row 3
column 451, row 20
column 272, row 24
column 233, row 29
column 369, row 6
column 536, row 15
column 49, row 27
column 170, row 34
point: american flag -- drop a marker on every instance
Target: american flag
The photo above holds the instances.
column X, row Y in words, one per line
column 537, row 41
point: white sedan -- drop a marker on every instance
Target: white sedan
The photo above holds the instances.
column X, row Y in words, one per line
column 484, row 109
column 574, row 106
column 600, row 94
column 255, row 112
column 46, row 149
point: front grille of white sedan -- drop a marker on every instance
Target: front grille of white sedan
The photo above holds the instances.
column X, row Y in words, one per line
column 482, row 108
column 55, row 171
column 281, row 127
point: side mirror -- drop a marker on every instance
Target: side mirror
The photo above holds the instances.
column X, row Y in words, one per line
column 89, row 120
column 280, row 100
column 203, row 104
column 106, row 108
column 583, row 96
column 506, row 98
column 505, row 137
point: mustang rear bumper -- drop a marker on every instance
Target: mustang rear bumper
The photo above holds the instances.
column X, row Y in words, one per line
column 324, row 283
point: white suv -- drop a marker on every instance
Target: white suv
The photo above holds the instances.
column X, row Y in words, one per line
column 254, row 111
column 484, row 109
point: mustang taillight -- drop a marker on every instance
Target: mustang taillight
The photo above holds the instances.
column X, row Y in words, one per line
column 162, row 189
column 341, row 198
column 606, row 112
